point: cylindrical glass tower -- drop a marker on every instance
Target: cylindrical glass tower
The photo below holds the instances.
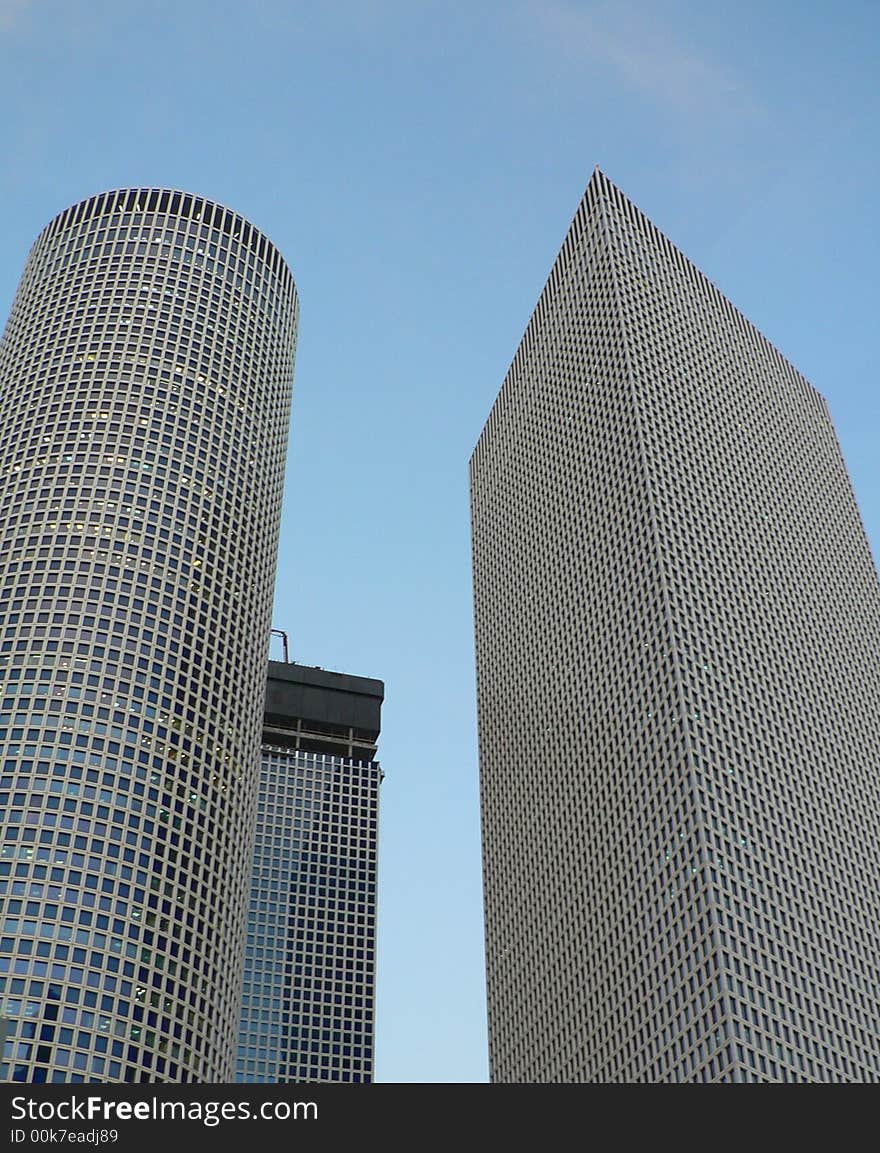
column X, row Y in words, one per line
column 145, row 382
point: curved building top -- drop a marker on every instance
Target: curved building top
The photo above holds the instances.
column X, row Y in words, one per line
column 175, row 202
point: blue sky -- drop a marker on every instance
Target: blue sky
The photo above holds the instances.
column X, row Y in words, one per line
column 417, row 164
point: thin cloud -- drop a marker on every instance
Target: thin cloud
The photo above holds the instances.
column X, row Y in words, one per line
column 644, row 56
column 10, row 10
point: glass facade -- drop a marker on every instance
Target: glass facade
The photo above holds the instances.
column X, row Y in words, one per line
column 145, row 383
column 310, row 957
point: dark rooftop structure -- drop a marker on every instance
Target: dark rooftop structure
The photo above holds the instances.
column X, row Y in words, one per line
column 318, row 711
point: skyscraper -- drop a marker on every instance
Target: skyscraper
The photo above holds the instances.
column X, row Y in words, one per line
column 310, row 960
column 678, row 671
column 145, row 382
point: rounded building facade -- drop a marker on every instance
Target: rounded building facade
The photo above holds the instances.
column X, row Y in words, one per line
column 145, row 383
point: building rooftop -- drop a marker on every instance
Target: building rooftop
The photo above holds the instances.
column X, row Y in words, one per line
column 319, row 711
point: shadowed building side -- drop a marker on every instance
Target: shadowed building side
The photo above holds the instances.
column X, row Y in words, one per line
column 308, row 1002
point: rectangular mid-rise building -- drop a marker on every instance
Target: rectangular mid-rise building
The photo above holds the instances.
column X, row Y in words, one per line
column 308, row 998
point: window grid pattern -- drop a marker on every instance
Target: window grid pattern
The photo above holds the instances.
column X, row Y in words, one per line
column 145, row 381
column 310, row 961
column 677, row 627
